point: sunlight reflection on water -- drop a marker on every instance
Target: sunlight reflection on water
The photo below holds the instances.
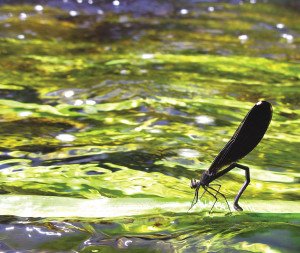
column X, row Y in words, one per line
column 108, row 108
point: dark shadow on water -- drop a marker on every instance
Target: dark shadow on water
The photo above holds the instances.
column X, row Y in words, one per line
column 26, row 95
column 136, row 160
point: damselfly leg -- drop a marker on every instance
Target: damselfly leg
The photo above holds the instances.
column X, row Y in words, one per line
column 196, row 198
column 218, row 192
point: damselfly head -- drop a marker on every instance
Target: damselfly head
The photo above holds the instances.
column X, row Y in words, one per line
column 194, row 183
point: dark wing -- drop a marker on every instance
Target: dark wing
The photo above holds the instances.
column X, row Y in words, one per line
column 246, row 137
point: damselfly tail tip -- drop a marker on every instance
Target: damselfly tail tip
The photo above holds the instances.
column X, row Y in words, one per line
column 237, row 207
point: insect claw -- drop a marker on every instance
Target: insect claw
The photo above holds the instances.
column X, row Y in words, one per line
column 191, row 206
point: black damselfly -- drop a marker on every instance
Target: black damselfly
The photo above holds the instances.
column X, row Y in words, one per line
column 245, row 139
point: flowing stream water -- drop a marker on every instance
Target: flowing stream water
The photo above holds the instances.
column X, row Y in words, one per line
column 109, row 108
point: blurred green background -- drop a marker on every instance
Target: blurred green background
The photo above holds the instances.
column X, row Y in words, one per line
column 109, row 108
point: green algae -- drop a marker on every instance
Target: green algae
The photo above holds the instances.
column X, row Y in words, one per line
column 127, row 109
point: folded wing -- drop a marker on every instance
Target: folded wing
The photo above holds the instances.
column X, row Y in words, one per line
column 246, row 137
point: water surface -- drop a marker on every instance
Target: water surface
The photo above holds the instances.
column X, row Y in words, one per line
column 109, row 108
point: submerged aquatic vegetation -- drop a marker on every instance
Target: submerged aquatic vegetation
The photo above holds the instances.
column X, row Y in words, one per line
column 107, row 112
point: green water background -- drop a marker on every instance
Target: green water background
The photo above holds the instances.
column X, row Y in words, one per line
column 107, row 111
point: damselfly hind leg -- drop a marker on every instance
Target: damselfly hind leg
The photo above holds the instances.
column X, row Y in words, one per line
column 219, row 186
column 218, row 192
column 216, row 199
